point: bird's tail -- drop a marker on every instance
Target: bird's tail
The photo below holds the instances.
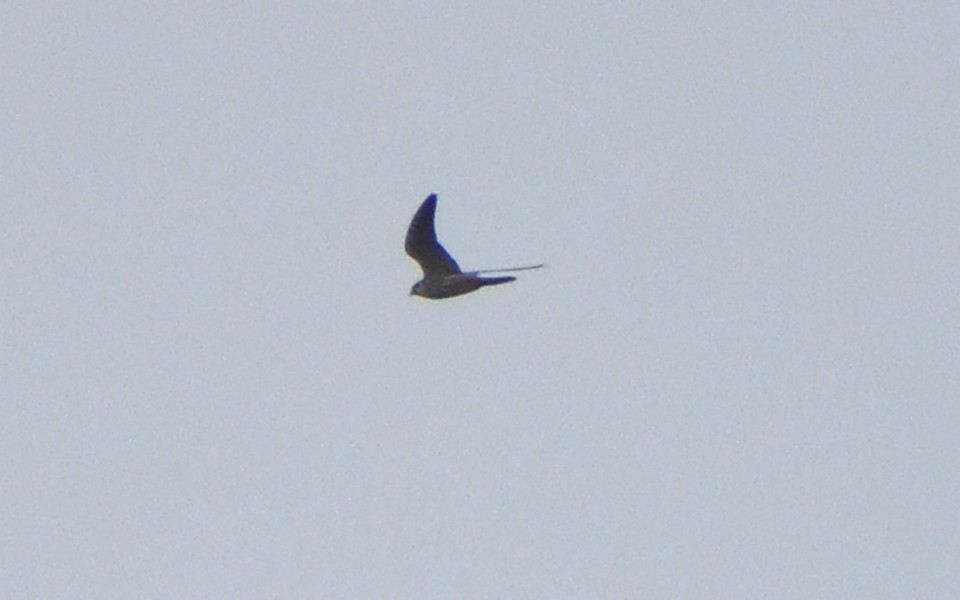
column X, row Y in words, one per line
column 527, row 268
column 485, row 281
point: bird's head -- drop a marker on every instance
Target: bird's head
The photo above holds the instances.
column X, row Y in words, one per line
column 415, row 290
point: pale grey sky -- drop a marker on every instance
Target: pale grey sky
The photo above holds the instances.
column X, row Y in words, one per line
column 738, row 377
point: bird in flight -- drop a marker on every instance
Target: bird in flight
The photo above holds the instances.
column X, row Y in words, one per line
column 442, row 277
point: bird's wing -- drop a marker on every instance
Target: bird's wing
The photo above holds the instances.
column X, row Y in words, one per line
column 422, row 245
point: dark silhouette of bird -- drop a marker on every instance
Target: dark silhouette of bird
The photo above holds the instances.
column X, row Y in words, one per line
column 442, row 277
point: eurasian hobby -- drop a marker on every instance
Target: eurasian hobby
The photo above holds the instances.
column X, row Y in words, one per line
column 442, row 277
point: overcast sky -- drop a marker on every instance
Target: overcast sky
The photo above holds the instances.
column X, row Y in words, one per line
column 739, row 377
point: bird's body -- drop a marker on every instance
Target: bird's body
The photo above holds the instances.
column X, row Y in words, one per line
column 454, row 285
column 442, row 277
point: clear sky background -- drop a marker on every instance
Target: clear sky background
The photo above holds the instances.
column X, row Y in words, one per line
column 739, row 377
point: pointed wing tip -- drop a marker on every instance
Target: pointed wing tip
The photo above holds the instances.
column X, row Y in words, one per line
column 428, row 205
